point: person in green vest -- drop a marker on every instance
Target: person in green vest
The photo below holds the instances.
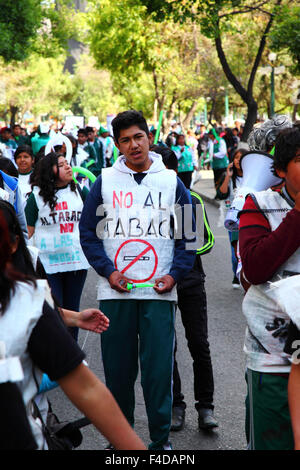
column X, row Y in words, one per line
column 6, row 138
column 108, row 145
column 40, row 138
column 19, row 138
column 95, row 142
column 218, row 151
column 186, row 164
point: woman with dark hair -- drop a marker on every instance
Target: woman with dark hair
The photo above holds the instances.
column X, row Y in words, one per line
column 53, row 213
column 185, row 160
column 36, row 335
column 231, row 142
column 24, row 160
column 225, row 192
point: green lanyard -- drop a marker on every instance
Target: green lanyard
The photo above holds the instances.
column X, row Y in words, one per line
column 211, row 238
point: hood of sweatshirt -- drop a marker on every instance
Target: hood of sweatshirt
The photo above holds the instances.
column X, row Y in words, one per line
column 157, row 164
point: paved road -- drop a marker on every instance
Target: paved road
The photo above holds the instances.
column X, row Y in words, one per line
column 226, row 334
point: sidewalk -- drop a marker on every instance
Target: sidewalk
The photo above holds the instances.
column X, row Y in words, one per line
column 205, row 187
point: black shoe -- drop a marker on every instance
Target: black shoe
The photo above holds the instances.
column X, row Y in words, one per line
column 206, row 419
column 235, row 283
column 178, row 416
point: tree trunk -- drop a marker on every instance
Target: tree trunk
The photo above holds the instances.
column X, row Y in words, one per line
column 155, row 112
column 295, row 109
column 212, row 110
column 13, row 113
column 186, row 121
column 250, row 120
column 169, row 115
column 246, row 95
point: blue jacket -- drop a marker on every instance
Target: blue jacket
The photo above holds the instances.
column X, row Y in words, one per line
column 10, row 184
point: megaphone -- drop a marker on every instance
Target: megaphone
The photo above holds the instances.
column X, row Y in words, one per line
column 59, row 139
column 257, row 176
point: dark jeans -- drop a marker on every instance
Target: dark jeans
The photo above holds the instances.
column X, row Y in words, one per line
column 67, row 288
column 186, row 178
column 193, row 310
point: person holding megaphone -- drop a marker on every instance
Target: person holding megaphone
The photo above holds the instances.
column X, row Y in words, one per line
column 270, row 251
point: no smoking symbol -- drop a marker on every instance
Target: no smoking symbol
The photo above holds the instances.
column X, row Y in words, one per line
column 134, row 254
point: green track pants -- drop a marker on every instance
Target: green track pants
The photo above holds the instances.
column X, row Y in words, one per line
column 268, row 422
column 145, row 329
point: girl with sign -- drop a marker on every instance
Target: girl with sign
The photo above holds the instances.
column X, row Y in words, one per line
column 53, row 212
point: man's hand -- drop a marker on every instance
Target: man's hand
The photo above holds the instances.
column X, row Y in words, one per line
column 164, row 284
column 93, row 320
column 118, row 281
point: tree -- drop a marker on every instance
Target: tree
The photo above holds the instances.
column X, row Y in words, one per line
column 38, row 85
column 19, row 23
column 29, row 26
column 217, row 18
column 95, row 94
column 151, row 62
column 286, row 34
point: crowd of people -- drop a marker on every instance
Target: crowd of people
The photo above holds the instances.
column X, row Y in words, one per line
column 130, row 224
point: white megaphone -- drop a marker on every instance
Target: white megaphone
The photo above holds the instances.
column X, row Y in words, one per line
column 257, row 176
column 59, row 139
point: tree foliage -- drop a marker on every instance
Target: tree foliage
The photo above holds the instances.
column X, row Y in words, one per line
column 29, row 26
column 286, row 34
column 219, row 19
column 19, row 23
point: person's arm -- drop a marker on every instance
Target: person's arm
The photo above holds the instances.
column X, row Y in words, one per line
column 31, row 213
column 263, row 251
column 91, row 244
column 55, row 352
column 224, row 186
column 222, row 150
column 96, row 402
column 90, row 319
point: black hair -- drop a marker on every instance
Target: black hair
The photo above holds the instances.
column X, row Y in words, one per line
column 23, row 148
column 234, row 170
column 44, row 177
column 286, row 145
column 13, row 267
column 82, row 131
column 7, row 166
column 127, row 119
column 89, row 129
column 177, row 138
column 168, row 156
column 40, row 154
